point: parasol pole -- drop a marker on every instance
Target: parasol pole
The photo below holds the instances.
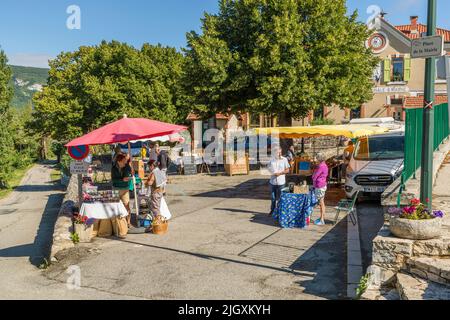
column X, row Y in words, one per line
column 136, row 202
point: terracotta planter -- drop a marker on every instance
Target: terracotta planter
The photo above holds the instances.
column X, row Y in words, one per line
column 416, row 229
column 84, row 232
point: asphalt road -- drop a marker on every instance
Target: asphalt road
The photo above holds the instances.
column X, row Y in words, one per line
column 221, row 245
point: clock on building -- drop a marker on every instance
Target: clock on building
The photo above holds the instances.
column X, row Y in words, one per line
column 377, row 42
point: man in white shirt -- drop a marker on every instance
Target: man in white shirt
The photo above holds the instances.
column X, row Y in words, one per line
column 278, row 167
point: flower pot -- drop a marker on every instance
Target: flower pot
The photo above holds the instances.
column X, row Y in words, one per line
column 416, row 229
column 84, row 232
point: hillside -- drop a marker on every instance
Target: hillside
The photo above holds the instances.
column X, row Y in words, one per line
column 26, row 82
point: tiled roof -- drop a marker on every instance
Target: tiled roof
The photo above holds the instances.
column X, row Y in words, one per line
column 421, row 28
column 417, row 102
column 219, row 116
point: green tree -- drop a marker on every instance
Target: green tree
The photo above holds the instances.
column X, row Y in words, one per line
column 278, row 57
column 169, row 62
column 7, row 151
column 98, row 84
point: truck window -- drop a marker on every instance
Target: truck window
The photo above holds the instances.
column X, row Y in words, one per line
column 380, row 148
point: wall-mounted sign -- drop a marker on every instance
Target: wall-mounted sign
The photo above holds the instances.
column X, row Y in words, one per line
column 79, row 167
column 396, row 89
column 427, row 47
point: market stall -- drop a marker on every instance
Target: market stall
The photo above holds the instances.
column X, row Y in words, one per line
column 295, row 206
column 104, row 205
column 303, row 164
column 294, row 210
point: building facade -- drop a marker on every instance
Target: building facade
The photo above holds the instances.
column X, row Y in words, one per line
column 397, row 76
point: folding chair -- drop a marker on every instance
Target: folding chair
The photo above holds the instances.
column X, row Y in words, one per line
column 347, row 205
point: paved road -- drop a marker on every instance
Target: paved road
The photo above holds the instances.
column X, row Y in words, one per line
column 221, row 245
column 27, row 219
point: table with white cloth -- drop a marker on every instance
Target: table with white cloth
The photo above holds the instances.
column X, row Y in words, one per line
column 103, row 210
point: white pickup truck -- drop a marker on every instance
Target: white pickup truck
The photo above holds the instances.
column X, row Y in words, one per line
column 376, row 162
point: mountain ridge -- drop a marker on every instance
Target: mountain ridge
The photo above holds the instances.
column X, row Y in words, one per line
column 26, row 81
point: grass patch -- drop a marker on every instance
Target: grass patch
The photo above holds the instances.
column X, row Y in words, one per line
column 14, row 182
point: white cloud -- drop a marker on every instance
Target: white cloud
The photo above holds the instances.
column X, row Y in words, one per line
column 29, row 60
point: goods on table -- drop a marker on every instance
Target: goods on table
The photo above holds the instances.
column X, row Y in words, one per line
column 108, row 196
column 301, row 189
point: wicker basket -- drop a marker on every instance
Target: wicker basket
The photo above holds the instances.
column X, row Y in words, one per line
column 160, row 228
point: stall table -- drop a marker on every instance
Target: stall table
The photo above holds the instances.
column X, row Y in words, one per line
column 294, row 209
column 103, row 210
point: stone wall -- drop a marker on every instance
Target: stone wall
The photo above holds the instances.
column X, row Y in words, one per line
column 63, row 226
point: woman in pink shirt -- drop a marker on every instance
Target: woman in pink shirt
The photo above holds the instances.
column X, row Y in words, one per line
column 320, row 176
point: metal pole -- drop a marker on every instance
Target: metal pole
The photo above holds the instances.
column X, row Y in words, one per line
column 426, row 178
column 136, row 200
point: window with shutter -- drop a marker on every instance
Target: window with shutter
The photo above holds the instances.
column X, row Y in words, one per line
column 407, row 68
column 387, row 69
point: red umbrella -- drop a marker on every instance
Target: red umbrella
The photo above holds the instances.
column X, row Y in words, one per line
column 125, row 130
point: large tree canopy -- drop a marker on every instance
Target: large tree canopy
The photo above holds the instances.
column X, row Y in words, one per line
column 96, row 85
column 278, row 56
column 7, row 151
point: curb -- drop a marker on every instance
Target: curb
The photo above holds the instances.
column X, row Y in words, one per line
column 354, row 260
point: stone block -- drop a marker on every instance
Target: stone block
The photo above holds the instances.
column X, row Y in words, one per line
column 445, row 275
column 392, row 244
column 435, row 247
column 418, row 272
column 380, row 276
column 437, row 279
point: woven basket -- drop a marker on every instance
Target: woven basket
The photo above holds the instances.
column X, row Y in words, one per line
column 160, row 228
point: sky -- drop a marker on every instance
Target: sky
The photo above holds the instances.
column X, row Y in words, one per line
column 34, row 31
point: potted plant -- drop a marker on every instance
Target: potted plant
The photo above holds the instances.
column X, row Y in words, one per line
column 83, row 227
column 415, row 221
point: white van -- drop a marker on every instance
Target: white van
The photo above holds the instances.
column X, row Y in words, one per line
column 376, row 162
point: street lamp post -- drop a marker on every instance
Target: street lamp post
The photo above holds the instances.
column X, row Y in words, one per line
column 426, row 180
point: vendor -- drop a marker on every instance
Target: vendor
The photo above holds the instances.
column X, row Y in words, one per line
column 348, row 152
column 156, row 182
column 121, row 175
column 290, row 156
column 278, row 168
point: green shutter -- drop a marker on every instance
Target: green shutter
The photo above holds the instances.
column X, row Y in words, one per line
column 407, row 68
column 387, row 69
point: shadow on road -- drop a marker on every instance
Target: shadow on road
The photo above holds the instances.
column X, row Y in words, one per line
column 327, row 259
column 252, row 189
column 40, row 249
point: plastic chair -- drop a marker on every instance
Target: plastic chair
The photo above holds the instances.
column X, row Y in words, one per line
column 347, row 205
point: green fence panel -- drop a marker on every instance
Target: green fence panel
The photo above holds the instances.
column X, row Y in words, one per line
column 413, row 136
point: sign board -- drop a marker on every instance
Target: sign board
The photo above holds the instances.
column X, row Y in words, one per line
column 427, row 47
column 190, row 169
column 79, row 152
column 397, row 89
column 79, row 167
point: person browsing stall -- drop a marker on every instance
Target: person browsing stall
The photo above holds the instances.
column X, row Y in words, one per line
column 121, row 175
column 156, row 181
column 319, row 177
column 278, row 168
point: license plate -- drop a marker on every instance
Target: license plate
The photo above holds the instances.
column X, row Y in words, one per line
column 374, row 189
